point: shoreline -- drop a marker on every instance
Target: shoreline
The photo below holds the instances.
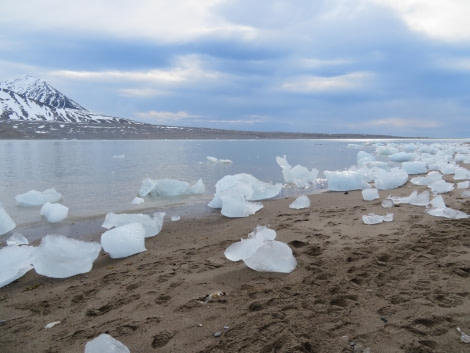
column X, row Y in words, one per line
column 400, row 286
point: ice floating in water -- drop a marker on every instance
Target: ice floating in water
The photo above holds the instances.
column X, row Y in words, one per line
column 124, row 241
column 463, row 185
column 219, row 161
column 17, row 239
column 262, row 253
column 6, row 223
column 105, row 343
column 59, row 257
column 54, row 212
column 170, row 187
column 441, row 187
column 370, row 194
column 37, row 198
column 430, row 178
column 392, row 179
column 345, row 180
column 234, row 193
column 299, row 175
column 300, row 202
column 137, row 201
column 438, row 208
column 372, row 218
column 415, row 167
column 15, row 261
column 153, row 225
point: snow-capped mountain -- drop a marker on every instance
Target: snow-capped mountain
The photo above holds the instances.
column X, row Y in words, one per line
column 29, row 99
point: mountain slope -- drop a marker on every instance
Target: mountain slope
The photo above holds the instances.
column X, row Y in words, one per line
column 29, row 99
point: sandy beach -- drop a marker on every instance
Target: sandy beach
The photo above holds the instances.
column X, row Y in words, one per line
column 401, row 286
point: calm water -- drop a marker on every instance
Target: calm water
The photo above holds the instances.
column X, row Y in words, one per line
column 97, row 177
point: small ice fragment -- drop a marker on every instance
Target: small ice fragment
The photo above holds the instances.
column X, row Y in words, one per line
column 169, row 187
column 464, row 337
column 124, row 241
column 438, row 208
column 387, row 203
column 37, row 198
column 441, row 187
column 370, row 194
column 59, row 257
column 137, row 201
column 105, row 343
column 372, row 218
column 463, row 185
column 54, row 212
column 17, row 239
column 52, row 324
column 175, row 218
column 300, row 202
column 119, row 156
column 6, row 223
column 421, row 199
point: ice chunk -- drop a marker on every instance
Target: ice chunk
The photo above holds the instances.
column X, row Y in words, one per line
column 169, row 187
column 392, row 179
column 345, row 180
column 105, row 343
column 59, row 257
column 124, row 241
column 272, row 256
column 388, row 203
column 37, row 198
column 153, row 225
column 430, row 178
column 441, row 187
column 235, row 205
column 300, row 202
column 463, row 185
column 402, row 157
column 233, row 194
column 415, row 167
column 370, row 194
column 438, row 208
column 261, row 252
column 17, row 239
column 461, row 173
column 137, row 201
column 298, row 175
column 421, row 199
column 372, row 218
column 15, row 261
column 6, row 223
column 54, row 212
column 364, row 159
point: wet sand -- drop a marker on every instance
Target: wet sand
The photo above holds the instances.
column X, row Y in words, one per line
column 402, row 286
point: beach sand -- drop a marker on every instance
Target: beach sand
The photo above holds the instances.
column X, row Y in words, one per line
column 401, row 286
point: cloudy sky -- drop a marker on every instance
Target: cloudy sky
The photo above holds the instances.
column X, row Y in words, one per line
column 396, row 67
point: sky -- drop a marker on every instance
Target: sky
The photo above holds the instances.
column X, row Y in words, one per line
column 393, row 67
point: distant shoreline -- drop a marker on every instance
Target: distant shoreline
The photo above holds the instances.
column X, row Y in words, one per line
column 44, row 130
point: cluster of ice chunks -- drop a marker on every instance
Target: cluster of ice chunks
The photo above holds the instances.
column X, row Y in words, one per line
column 300, row 202
column 262, row 253
column 235, row 194
column 56, row 256
column 169, row 187
column 218, row 161
column 35, row 198
column 105, row 343
column 298, row 175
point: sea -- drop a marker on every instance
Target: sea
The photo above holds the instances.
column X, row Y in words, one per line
column 95, row 177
